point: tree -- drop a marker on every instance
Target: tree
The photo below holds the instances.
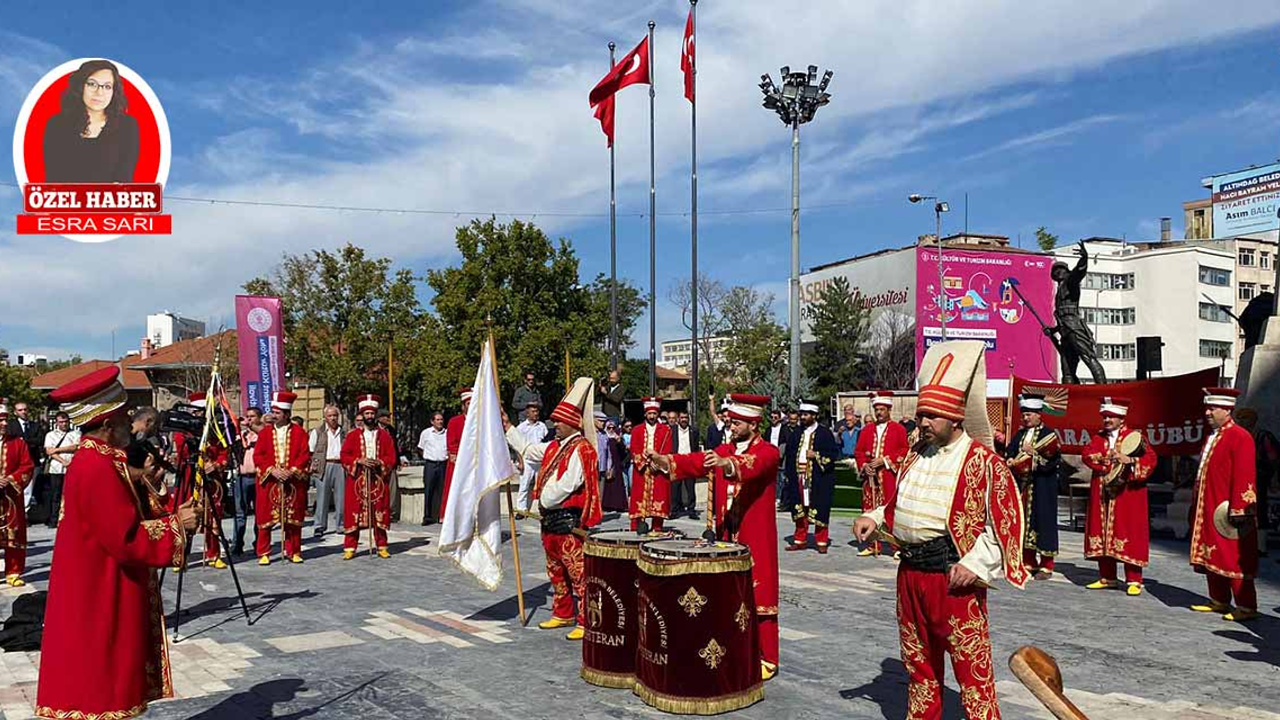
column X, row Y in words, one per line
column 341, row 312
column 711, row 320
column 514, row 280
column 839, row 326
column 1045, row 239
column 757, row 343
column 15, row 385
column 893, row 351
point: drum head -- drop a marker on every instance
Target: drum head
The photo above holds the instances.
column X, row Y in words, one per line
column 691, row 549
column 617, row 537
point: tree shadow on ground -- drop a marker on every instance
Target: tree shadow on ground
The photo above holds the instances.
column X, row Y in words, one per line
column 509, row 608
column 1171, row 595
column 889, row 692
column 1076, row 574
column 1263, row 634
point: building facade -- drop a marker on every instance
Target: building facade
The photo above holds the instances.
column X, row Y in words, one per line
column 678, row 354
column 166, row 328
column 1178, row 292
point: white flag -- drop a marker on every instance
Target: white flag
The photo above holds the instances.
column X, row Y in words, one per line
column 472, row 532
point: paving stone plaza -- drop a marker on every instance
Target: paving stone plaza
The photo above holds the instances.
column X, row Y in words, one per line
column 411, row 637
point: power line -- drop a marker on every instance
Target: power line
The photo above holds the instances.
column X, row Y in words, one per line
column 461, row 213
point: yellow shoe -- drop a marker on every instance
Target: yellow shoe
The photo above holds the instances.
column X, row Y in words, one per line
column 176, row 568
column 576, row 633
column 1134, row 589
column 867, row 552
column 1213, row 607
column 382, row 553
column 296, row 559
column 1237, row 615
column 15, row 581
column 264, row 560
column 767, row 670
column 348, row 554
column 218, row 564
column 555, row 622
column 1102, row 584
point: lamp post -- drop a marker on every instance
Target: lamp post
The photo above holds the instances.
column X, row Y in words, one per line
column 939, row 207
column 796, row 103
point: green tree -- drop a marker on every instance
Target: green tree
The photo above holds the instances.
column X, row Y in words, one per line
column 514, row 280
column 342, row 310
column 1045, row 239
column 757, row 341
column 836, row 359
column 15, row 384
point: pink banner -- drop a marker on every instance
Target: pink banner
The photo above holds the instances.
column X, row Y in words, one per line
column 261, row 341
column 981, row 302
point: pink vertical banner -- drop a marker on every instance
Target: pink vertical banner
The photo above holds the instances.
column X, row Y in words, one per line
column 260, row 336
column 988, row 295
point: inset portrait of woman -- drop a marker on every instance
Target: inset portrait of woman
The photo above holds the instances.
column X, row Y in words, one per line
column 92, row 139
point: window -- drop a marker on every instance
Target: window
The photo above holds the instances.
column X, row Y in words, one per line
column 1248, row 290
column 1107, row 316
column 1214, row 313
column 1215, row 276
column 1264, row 260
column 1108, row 281
column 1246, row 258
column 1117, row 351
column 1215, row 349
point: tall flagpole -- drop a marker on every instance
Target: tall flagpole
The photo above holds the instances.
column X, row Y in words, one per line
column 653, row 233
column 613, row 244
column 693, row 184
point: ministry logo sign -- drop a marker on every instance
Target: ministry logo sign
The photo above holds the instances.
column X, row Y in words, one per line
column 91, row 151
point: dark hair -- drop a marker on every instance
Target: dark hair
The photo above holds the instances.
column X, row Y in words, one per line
column 72, row 109
column 62, row 416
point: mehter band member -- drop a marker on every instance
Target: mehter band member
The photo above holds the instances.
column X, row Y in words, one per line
column 811, row 470
column 1034, row 456
column 215, row 462
column 103, row 654
column 650, row 487
column 881, row 448
column 1116, row 527
column 16, row 469
column 282, row 458
column 1223, row 546
column 453, row 441
column 369, row 458
column 92, row 139
column 957, row 519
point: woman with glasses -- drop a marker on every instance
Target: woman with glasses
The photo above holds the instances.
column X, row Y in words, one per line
column 92, row 138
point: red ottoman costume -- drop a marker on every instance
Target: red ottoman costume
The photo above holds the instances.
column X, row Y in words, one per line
column 452, row 441
column 103, row 652
column 650, row 488
column 886, row 440
column 16, row 467
column 368, row 490
column 281, row 503
column 1116, row 526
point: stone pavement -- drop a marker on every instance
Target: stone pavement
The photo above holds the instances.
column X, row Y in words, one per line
column 410, row 637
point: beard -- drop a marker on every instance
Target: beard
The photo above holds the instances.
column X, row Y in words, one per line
column 371, row 424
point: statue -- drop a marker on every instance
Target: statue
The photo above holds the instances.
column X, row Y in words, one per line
column 1071, row 334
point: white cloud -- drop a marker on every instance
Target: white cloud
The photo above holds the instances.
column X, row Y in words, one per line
column 379, row 128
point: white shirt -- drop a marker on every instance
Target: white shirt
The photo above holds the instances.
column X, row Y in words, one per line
column 682, row 440
column 370, row 443
column 557, row 489
column 333, row 450
column 923, row 506
column 55, row 439
column 775, row 435
column 432, row 444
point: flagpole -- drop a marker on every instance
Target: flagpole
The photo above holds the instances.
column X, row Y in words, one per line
column 693, row 184
column 653, row 233
column 511, row 506
column 613, row 247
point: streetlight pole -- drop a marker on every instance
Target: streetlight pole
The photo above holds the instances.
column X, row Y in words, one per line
column 796, row 102
column 939, row 207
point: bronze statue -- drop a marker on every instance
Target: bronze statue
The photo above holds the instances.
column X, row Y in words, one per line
column 1072, row 336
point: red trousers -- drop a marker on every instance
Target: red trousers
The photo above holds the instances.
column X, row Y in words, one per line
column 564, row 569
column 1221, row 588
column 15, row 561
column 655, row 523
column 933, row 622
column 352, row 539
column 1045, row 563
column 1107, row 570
column 767, row 626
column 292, row 540
column 821, row 533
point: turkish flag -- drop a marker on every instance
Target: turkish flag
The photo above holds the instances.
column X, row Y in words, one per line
column 632, row 69
column 686, row 57
column 604, row 113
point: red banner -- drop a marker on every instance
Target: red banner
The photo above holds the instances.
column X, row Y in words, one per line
column 1169, row 410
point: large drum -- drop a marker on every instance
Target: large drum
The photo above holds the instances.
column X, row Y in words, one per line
column 609, row 646
column 698, row 648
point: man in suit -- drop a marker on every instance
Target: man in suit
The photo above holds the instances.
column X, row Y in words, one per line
column 684, row 496
column 33, row 435
column 718, row 431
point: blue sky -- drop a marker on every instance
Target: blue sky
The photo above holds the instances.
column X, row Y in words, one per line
column 1088, row 118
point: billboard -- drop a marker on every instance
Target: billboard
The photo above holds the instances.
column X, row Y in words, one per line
column 1246, row 202
column 259, row 335
column 881, row 282
column 980, row 300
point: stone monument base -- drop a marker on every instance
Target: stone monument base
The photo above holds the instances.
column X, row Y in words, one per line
column 1258, row 377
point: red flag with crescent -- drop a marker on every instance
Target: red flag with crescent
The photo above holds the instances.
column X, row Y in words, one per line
column 687, row 58
column 632, row 69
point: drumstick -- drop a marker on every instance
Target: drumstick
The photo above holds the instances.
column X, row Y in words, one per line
column 1038, row 671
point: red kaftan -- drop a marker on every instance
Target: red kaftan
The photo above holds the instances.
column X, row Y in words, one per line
column 650, row 495
column 892, row 446
column 452, row 441
column 363, row 496
column 1118, row 527
column 1228, row 474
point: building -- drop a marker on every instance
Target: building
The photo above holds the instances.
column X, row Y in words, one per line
column 137, row 387
column 678, row 354
column 181, row 368
column 1197, row 218
column 30, row 360
column 166, row 328
column 1174, row 291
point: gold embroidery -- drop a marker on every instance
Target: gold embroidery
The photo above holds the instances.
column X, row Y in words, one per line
column 979, row 703
column 1249, row 496
column 48, row 712
column 692, row 602
column 1119, row 543
column 969, row 640
column 1206, row 550
column 595, row 609
column 712, row 654
column 1095, row 543
column 920, row 697
column 155, row 528
column 742, row 616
